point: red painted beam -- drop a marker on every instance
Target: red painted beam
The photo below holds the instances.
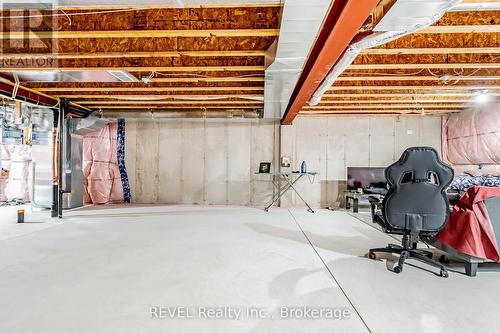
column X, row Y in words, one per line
column 340, row 26
column 33, row 97
column 26, row 95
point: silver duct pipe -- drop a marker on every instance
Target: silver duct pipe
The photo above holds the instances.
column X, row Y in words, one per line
column 300, row 22
column 475, row 6
column 404, row 17
column 164, row 114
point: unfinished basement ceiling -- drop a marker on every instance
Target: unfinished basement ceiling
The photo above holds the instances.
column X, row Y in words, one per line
column 180, row 56
column 209, row 57
column 439, row 69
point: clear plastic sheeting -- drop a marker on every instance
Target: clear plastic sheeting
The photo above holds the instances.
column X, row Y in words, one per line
column 102, row 181
column 472, row 137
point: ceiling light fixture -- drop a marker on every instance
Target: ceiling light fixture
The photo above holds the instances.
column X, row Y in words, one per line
column 482, row 97
column 445, row 79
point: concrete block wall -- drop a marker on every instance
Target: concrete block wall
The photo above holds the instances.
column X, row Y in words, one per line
column 330, row 144
column 214, row 161
column 196, row 161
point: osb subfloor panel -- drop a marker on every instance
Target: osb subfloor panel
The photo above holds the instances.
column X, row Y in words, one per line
column 101, row 270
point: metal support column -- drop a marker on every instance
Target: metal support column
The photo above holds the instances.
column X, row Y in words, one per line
column 55, row 186
column 63, row 110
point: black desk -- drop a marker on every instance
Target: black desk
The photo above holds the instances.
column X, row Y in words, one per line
column 354, row 196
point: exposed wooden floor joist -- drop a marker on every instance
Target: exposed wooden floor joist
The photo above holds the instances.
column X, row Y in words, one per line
column 398, row 106
column 139, row 34
column 142, row 69
column 433, row 50
column 174, row 106
column 186, row 5
column 462, row 48
column 417, row 78
column 382, row 111
column 158, row 54
column 443, row 87
column 158, row 96
column 72, row 90
column 484, row 65
column 405, row 94
column 212, row 102
column 393, row 101
column 431, row 66
column 438, row 69
column 210, row 79
column 451, row 29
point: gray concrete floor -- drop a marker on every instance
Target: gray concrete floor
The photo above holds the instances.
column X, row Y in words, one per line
column 103, row 269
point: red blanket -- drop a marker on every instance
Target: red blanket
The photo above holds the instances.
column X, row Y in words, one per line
column 469, row 229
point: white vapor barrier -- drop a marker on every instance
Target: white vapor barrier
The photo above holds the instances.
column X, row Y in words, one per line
column 330, row 145
column 200, row 161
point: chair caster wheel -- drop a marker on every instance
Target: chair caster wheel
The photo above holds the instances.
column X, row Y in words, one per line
column 372, row 255
column 444, row 259
column 398, row 269
column 443, row 273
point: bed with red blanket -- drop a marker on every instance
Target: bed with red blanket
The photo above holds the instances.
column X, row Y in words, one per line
column 473, row 230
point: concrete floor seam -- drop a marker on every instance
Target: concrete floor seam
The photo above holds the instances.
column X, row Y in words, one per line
column 371, row 225
column 329, row 271
column 6, row 240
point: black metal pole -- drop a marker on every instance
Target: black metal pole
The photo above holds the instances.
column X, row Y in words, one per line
column 63, row 110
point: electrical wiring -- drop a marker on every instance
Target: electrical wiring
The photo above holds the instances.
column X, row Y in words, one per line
column 204, row 76
column 67, row 16
column 110, row 11
column 207, row 98
column 432, row 73
column 16, row 86
column 393, row 74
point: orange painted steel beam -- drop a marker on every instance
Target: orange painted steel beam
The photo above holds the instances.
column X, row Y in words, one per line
column 340, row 26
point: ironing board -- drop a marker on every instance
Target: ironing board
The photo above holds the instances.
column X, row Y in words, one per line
column 290, row 180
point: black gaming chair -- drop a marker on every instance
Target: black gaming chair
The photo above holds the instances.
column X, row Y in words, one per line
column 415, row 206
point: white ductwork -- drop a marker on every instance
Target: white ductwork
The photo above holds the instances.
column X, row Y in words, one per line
column 404, row 17
column 208, row 114
column 301, row 21
column 475, row 6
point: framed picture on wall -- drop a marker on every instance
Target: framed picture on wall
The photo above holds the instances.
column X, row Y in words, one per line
column 286, row 161
column 265, row 167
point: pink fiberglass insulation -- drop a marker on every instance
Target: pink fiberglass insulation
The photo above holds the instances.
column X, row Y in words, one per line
column 5, row 164
column 17, row 182
column 472, row 137
column 102, row 182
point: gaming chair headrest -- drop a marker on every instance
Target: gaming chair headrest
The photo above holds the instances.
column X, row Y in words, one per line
column 419, row 163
